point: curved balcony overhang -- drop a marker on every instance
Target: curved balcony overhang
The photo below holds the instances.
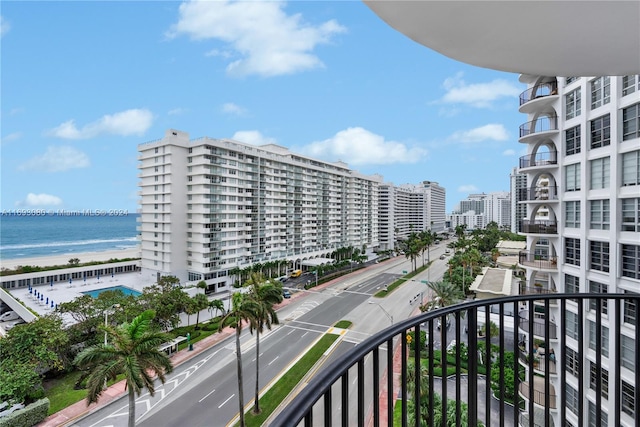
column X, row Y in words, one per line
column 537, row 325
column 540, row 262
column 539, row 161
column 538, row 393
column 545, row 193
column 538, row 97
column 544, row 127
column 539, row 227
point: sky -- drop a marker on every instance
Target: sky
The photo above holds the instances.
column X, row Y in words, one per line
column 83, row 83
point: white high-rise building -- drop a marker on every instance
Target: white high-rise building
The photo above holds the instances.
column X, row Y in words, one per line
column 478, row 210
column 210, row 206
column 410, row 208
column 518, row 210
column 583, row 204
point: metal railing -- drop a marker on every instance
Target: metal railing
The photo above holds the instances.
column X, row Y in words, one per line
column 539, row 91
column 542, row 124
column 543, row 158
column 362, row 386
column 541, row 193
column 531, row 259
column 539, row 227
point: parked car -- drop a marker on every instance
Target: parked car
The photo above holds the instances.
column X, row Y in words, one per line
column 286, row 294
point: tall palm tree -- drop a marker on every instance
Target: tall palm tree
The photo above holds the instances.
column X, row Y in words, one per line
column 133, row 351
column 265, row 294
column 217, row 305
column 243, row 309
column 444, row 294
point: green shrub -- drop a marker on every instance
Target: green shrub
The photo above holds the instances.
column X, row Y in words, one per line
column 31, row 415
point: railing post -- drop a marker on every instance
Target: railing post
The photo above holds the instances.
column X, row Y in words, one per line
column 472, row 378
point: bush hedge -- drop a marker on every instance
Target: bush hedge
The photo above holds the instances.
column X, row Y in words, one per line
column 29, row 416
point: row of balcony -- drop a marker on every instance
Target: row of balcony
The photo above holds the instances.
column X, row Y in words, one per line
column 378, row 382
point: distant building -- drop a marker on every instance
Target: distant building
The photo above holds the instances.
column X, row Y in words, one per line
column 210, row 206
column 518, row 210
column 410, row 208
column 478, row 210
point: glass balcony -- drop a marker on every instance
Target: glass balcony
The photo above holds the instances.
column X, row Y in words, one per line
column 539, row 91
column 546, row 158
column 379, row 382
column 538, row 227
column 541, row 124
column 541, row 262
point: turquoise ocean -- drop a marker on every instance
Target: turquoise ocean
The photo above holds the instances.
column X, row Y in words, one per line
column 47, row 235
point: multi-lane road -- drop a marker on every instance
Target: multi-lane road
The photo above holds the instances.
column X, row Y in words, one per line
column 203, row 391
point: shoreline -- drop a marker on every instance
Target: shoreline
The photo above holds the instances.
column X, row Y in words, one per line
column 63, row 259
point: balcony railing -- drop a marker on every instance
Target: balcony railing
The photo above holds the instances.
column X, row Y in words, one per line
column 539, row 227
column 531, row 259
column 539, row 159
column 547, row 192
column 538, row 91
column 542, row 124
column 541, row 326
column 362, row 386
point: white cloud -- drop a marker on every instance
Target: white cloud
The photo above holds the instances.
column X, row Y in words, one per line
column 177, row 111
column 358, row 146
column 57, row 159
column 492, row 131
column 267, row 41
column 40, row 200
column 4, row 26
column 11, row 137
column 234, row 109
column 470, row 188
column 479, row 95
column 252, row 137
column 509, row 152
column 124, row 123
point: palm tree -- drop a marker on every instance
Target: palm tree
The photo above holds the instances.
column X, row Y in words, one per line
column 444, row 294
column 265, row 294
column 200, row 302
column 217, row 305
column 243, row 309
column 133, row 352
column 427, row 237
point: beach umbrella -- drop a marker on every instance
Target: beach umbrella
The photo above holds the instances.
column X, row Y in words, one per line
column 70, row 280
column 47, row 301
column 52, row 304
column 111, row 272
column 85, row 276
column 41, row 297
column 98, row 275
column 52, row 282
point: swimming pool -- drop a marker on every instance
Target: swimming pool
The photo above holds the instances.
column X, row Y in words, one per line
column 123, row 289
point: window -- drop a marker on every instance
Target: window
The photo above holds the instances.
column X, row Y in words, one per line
column 628, row 352
column 572, row 360
column 593, row 379
column 599, row 256
column 571, row 284
column 629, row 310
column 572, row 214
column 572, row 140
column 631, row 214
column 572, row 399
column 599, row 173
column 628, row 399
column 629, row 84
column 599, row 214
column 631, row 261
column 604, row 418
column 631, row 122
column 604, row 339
column 569, row 80
column 600, row 92
column 572, row 104
column 597, row 288
column 571, row 324
column 572, row 177
column 600, row 132
column 572, row 251
column 631, row 168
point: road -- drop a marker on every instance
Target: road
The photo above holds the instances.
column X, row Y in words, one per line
column 202, row 392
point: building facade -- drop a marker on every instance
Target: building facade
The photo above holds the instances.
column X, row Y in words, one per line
column 583, row 234
column 409, row 208
column 518, row 210
column 211, row 206
column 478, row 210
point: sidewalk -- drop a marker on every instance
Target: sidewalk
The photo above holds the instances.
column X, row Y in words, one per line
column 72, row 413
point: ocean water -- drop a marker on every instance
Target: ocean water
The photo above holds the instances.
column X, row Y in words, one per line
column 35, row 236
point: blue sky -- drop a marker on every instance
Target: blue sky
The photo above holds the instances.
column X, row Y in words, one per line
column 83, row 83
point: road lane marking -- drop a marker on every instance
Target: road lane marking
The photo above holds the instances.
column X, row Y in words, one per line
column 273, row 360
column 208, row 394
column 223, row 403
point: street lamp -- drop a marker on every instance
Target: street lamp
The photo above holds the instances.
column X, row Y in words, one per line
column 390, row 317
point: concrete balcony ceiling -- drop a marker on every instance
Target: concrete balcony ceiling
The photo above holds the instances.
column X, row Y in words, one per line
column 549, row 38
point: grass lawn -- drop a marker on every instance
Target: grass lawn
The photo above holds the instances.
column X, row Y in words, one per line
column 343, row 324
column 383, row 293
column 61, row 392
column 271, row 399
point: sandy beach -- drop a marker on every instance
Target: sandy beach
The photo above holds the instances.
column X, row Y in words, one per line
column 63, row 259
